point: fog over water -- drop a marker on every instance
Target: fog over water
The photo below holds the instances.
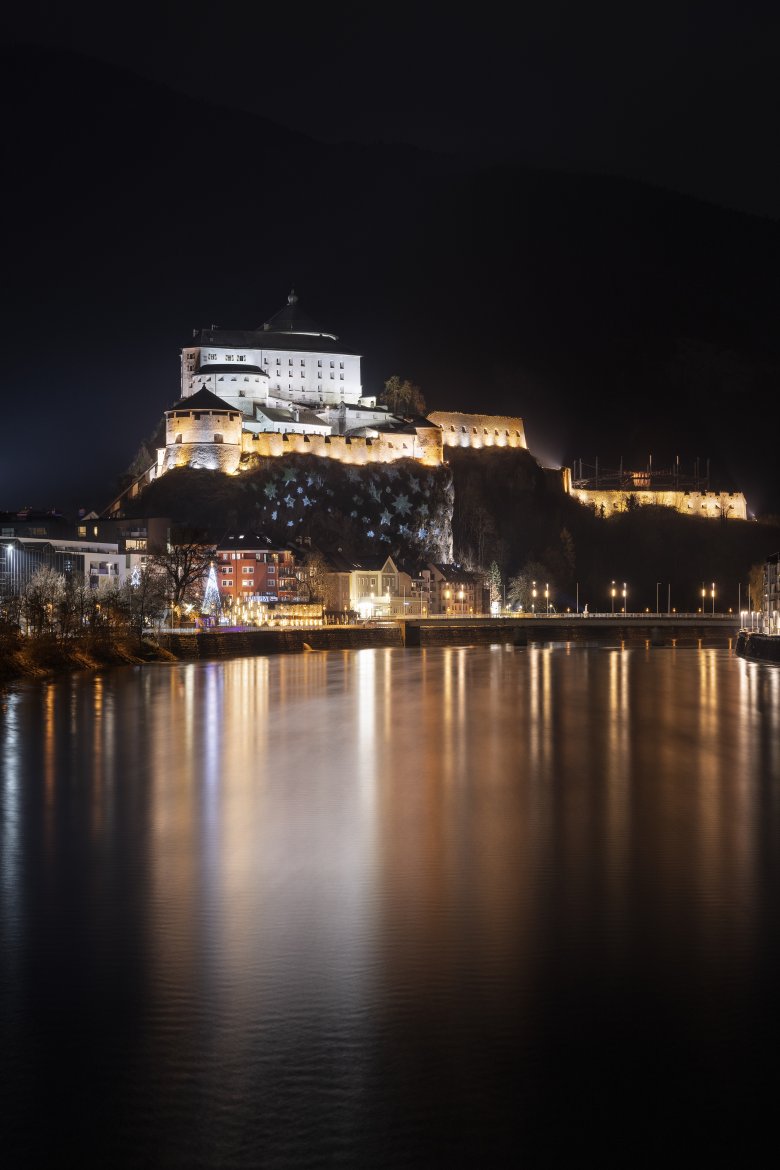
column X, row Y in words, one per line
column 388, row 907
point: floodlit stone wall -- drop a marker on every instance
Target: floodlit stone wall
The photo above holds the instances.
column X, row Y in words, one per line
column 424, row 446
column 711, row 505
column 479, row 430
column 211, row 456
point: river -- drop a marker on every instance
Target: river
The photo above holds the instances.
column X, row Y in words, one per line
column 476, row 906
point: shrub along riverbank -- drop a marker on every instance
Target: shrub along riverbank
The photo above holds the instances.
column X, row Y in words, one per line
column 40, row 658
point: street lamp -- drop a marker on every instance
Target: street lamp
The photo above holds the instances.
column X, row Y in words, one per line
column 703, row 596
column 657, row 587
column 713, row 599
column 533, row 595
column 625, row 593
column 547, row 597
column 613, row 598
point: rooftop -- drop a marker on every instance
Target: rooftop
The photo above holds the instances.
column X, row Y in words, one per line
column 291, row 319
column 203, row 400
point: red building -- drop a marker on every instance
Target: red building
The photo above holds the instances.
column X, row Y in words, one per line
column 251, row 573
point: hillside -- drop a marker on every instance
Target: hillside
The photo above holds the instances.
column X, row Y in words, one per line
column 400, row 509
column 508, row 510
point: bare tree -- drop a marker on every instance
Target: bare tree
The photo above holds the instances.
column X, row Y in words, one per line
column 520, row 588
column 144, row 600
column 314, row 576
column 182, row 569
column 41, row 601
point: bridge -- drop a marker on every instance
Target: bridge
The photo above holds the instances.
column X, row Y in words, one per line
column 658, row 629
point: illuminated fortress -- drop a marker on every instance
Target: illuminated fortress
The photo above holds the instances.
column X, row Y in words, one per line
column 289, row 387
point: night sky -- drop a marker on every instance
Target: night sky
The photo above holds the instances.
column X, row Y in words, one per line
column 570, row 213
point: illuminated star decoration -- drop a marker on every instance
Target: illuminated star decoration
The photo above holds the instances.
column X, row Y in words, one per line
column 385, row 517
column 270, row 490
column 289, row 475
column 402, row 505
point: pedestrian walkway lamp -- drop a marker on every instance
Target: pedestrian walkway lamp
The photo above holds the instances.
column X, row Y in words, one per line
column 533, row 595
column 613, row 598
column 625, row 595
column 547, row 597
column 713, row 598
column 703, row 596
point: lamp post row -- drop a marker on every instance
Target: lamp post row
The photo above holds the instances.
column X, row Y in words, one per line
column 616, row 591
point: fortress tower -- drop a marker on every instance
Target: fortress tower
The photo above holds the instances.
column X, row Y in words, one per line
column 202, row 431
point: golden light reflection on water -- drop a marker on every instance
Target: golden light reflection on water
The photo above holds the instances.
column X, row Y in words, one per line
column 310, row 832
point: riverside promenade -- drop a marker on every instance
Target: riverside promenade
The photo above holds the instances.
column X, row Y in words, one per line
column 516, row 629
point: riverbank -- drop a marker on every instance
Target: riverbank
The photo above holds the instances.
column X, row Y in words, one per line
column 41, row 658
column 758, row 647
column 246, row 643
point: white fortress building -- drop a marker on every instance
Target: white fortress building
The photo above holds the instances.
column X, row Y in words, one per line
column 287, row 360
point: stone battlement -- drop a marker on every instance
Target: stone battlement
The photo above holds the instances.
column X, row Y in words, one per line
column 711, row 505
column 479, row 430
column 423, row 444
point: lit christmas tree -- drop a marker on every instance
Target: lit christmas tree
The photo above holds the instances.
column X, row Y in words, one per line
column 212, row 602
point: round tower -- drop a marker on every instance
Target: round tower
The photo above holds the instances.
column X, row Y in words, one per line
column 203, row 431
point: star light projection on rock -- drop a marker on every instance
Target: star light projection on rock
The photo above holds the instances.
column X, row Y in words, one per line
column 390, row 506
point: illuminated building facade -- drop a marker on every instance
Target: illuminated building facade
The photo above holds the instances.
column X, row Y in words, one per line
column 289, row 358
column 456, row 592
column 251, row 571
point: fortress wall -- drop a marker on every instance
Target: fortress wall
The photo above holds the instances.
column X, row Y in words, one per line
column 213, row 456
column 425, row 447
column 201, row 426
column 711, row 505
column 479, row 430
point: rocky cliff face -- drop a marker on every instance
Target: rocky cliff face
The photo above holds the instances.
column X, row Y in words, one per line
column 402, row 508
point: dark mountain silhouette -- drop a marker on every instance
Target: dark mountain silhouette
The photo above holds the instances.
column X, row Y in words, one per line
column 617, row 319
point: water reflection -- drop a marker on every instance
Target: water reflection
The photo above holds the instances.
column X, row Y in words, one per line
column 383, row 904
